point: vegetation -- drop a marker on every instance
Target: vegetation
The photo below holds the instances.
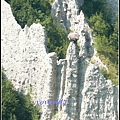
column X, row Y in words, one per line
column 98, row 15
column 16, row 106
column 57, row 37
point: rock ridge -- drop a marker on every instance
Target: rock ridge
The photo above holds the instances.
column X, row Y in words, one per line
column 33, row 70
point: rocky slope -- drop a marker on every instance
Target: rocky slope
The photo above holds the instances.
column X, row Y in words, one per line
column 81, row 90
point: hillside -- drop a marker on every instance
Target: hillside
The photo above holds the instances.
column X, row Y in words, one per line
column 99, row 19
column 69, row 78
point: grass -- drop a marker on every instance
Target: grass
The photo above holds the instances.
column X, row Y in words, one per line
column 112, row 73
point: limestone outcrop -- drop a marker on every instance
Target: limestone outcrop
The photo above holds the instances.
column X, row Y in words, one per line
column 79, row 86
column 73, row 37
column 72, row 17
column 24, row 56
column 66, row 11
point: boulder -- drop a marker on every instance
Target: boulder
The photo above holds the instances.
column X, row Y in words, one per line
column 73, row 36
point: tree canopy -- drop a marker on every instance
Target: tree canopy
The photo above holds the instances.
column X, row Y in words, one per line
column 16, row 106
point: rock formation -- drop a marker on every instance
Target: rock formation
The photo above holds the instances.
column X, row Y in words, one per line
column 73, row 37
column 72, row 20
column 86, row 94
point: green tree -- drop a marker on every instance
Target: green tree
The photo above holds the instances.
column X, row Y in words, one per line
column 114, row 36
column 16, row 106
column 57, row 37
column 91, row 7
column 27, row 12
column 99, row 25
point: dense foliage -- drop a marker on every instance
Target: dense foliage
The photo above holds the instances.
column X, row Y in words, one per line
column 91, row 7
column 16, row 106
column 98, row 15
column 57, row 37
column 39, row 11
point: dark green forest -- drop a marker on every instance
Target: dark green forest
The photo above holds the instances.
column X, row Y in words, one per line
column 15, row 105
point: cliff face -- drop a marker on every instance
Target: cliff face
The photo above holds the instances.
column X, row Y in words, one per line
column 83, row 90
column 66, row 12
column 24, row 55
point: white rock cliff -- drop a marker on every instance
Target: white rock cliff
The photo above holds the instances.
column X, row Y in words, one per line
column 84, row 92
